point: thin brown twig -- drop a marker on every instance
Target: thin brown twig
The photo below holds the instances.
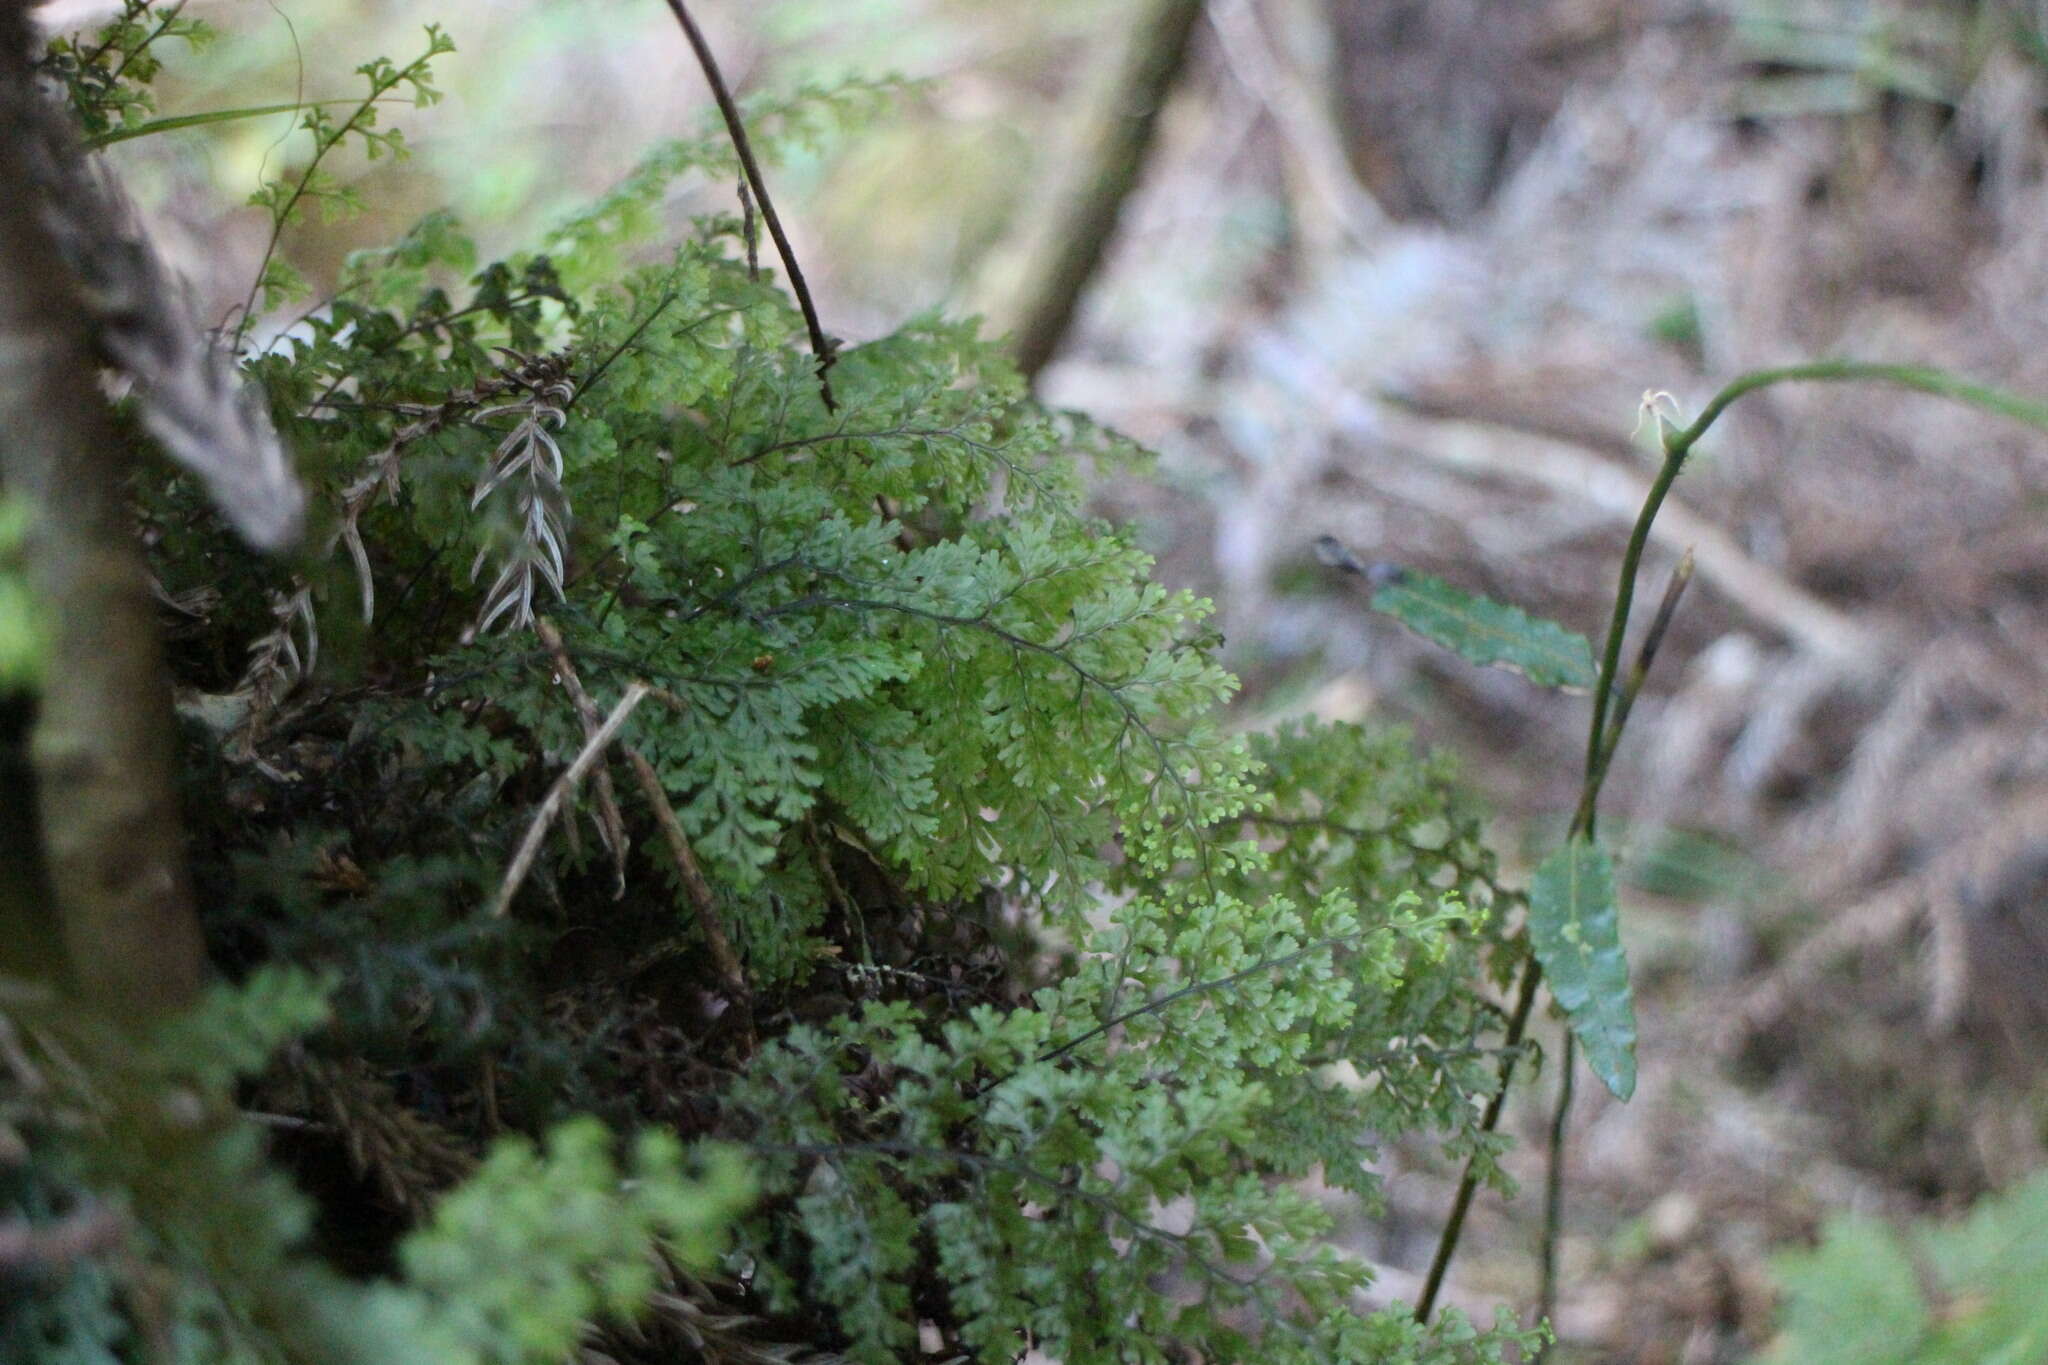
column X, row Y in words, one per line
column 695, row 886
column 610, row 823
column 825, row 348
column 750, row 231
column 551, row 805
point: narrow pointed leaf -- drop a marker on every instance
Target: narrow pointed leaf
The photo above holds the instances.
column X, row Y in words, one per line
column 176, row 121
column 1575, row 927
column 1488, row 632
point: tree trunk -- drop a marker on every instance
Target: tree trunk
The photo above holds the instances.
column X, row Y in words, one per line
column 1075, row 236
column 101, row 741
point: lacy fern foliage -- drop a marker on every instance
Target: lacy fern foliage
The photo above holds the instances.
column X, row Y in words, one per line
column 1056, row 991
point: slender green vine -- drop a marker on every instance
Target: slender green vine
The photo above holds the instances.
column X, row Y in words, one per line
column 1603, row 735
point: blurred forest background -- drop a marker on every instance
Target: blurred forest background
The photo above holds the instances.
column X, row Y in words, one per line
column 1401, row 272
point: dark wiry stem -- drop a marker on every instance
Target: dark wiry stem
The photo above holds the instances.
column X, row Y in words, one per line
column 1553, row 1184
column 823, row 347
column 1602, row 737
column 1454, row 1226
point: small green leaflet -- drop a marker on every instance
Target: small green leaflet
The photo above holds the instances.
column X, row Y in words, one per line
column 1488, row 632
column 1576, row 930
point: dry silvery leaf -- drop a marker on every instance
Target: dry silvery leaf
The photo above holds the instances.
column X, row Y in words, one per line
column 529, row 461
column 192, row 397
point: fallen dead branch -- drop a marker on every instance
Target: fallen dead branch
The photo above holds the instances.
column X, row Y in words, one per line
column 695, row 886
column 551, row 805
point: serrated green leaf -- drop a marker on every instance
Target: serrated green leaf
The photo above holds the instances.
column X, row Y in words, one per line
column 1575, row 927
column 1488, row 632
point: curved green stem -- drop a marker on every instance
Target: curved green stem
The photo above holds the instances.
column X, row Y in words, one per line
column 1678, row 444
column 1602, row 738
column 174, row 122
column 1676, row 447
column 1916, row 377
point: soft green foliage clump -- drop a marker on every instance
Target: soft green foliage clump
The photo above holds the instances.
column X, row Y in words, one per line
column 1056, row 990
column 106, row 76
column 314, row 185
column 891, row 697
column 534, row 1245
column 1059, row 1195
column 1962, row 1293
column 510, row 1268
